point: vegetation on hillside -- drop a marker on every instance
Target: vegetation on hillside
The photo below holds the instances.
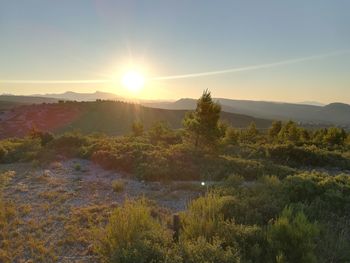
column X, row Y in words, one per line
column 281, row 195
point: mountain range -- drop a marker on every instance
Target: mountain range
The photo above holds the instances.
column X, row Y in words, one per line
column 331, row 114
column 75, row 96
column 334, row 113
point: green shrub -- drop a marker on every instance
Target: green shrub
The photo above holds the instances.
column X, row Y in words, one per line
column 330, row 193
column 118, row 186
column 208, row 224
column 254, row 202
column 137, row 129
column 254, row 169
column 202, row 251
column 44, row 137
column 231, row 136
column 306, row 156
column 160, row 132
column 203, row 217
column 68, row 144
column 293, row 238
column 77, row 167
column 133, row 235
column 16, row 150
column 3, row 152
column 335, row 136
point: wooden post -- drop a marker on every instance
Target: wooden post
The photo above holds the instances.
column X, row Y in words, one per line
column 176, row 227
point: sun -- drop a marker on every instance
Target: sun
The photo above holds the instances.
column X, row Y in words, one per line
column 133, row 81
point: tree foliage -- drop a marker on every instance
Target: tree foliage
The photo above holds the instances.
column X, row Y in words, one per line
column 137, row 129
column 202, row 124
column 293, row 238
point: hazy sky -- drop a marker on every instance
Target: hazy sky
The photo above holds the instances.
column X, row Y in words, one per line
column 83, row 40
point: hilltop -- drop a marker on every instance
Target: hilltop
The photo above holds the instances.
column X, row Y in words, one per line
column 110, row 117
column 308, row 113
column 11, row 101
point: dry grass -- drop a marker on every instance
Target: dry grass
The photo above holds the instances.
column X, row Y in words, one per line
column 50, row 215
column 118, row 186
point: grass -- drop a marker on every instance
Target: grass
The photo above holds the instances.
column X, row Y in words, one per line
column 118, row 186
column 77, row 167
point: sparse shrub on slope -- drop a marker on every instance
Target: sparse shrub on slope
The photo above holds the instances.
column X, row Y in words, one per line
column 306, row 156
column 17, row 150
column 293, row 238
column 256, row 202
column 44, row 137
column 118, row 186
column 335, row 136
column 275, row 129
column 331, row 193
column 290, row 132
column 133, row 235
column 137, row 129
column 255, row 169
column 204, row 217
column 123, row 156
column 161, row 133
column 202, row 251
column 208, row 223
column 68, row 144
column 231, row 136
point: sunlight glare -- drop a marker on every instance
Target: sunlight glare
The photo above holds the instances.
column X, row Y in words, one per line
column 133, row 81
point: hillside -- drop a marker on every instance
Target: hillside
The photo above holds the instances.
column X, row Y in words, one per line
column 11, row 101
column 314, row 115
column 110, row 117
column 335, row 113
column 64, row 197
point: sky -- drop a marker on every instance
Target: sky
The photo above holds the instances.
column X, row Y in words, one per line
column 289, row 51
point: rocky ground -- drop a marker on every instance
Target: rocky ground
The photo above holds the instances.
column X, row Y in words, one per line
column 55, row 208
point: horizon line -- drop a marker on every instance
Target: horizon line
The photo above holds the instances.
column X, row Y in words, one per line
column 188, row 75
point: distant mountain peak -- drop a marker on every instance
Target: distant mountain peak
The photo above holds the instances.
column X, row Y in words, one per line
column 338, row 105
column 313, row 103
column 71, row 95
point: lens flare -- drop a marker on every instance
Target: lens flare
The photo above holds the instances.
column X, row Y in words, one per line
column 133, row 81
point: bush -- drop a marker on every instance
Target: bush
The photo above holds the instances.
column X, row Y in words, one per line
column 137, row 129
column 306, row 156
column 203, row 218
column 45, row 137
column 160, row 132
column 292, row 237
column 123, row 155
column 331, row 193
column 208, row 225
column 254, row 169
column 231, row 136
column 255, row 202
column 335, row 136
column 16, row 150
column 118, row 186
column 3, row 152
column 68, row 144
column 201, row 251
column 77, row 167
column 133, row 235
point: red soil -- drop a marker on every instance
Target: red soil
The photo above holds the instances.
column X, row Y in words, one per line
column 18, row 122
